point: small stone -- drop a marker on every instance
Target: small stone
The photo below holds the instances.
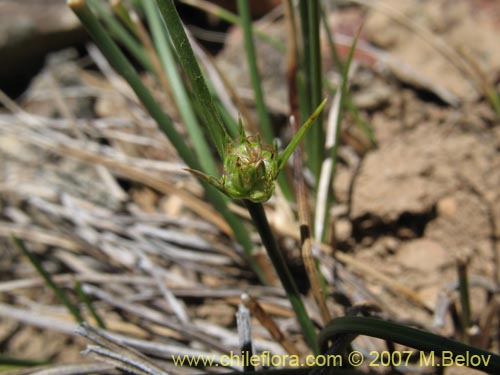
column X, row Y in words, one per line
column 447, row 207
column 422, row 255
column 343, row 230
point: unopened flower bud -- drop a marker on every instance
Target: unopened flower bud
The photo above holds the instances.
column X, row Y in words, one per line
column 250, row 169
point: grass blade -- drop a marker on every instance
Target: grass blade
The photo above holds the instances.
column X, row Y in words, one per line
column 178, row 89
column 122, row 35
column 349, row 103
column 190, row 65
column 246, row 24
column 225, row 15
column 86, row 300
column 260, row 220
column 13, row 363
column 304, row 78
column 304, row 216
column 324, row 195
column 264, row 120
column 123, row 14
column 285, row 155
column 315, row 139
column 126, row 70
column 60, row 294
column 414, row 338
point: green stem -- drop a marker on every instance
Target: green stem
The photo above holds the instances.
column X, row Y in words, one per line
column 298, row 137
column 350, row 106
column 259, row 219
column 343, row 93
column 123, row 14
column 265, row 122
column 331, row 41
column 411, row 337
column 316, row 136
column 86, row 300
column 20, row 362
column 362, row 124
column 246, row 24
column 60, row 294
column 194, row 74
column 179, row 91
column 122, row 35
column 305, row 86
column 125, row 69
column 233, row 19
column 330, row 199
column 231, row 123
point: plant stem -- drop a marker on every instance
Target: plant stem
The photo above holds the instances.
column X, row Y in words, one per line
column 259, row 219
column 246, row 24
column 225, row 15
column 349, row 103
column 324, row 193
column 265, row 122
column 125, row 69
column 190, row 65
column 123, row 14
column 60, row 294
column 122, row 35
column 178, row 89
column 331, row 41
column 20, row 362
column 86, row 300
column 316, row 136
column 350, row 327
column 305, row 86
column 299, row 135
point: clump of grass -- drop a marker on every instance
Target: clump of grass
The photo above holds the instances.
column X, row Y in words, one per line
column 250, row 168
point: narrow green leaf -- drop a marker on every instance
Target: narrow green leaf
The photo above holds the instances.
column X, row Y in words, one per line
column 179, row 91
column 264, row 120
column 350, row 327
column 60, row 294
column 300, row 134
column 246, row 24
column 315, row 140
column 86, row 300
column 325, row 196
column 123, row 14
column 261, row 223
column 122, row 35
column 20, row 362
column 225, row 15
column 190, row 65
column 126, row 70
column 345, row 82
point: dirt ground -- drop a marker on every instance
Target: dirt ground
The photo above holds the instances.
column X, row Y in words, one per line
column 423, row 200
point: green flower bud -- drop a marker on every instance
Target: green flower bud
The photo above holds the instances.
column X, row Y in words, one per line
column 250, row 169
